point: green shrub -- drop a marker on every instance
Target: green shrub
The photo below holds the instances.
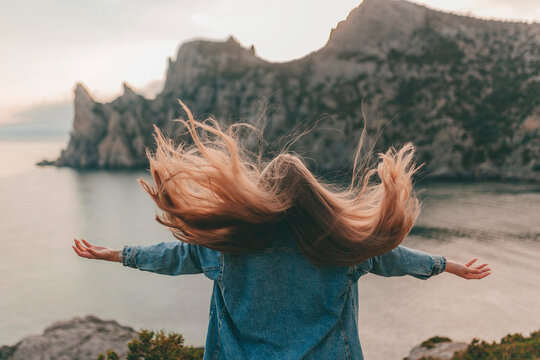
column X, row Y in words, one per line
column 430, row 343
column 511, row 347
column 157, row 346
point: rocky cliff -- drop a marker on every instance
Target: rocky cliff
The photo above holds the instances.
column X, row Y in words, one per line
column 78, row 338
column 466, row 91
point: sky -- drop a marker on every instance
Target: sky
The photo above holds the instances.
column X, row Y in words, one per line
column 48, row 46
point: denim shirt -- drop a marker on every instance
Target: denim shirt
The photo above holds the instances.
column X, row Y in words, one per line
column 275, row 304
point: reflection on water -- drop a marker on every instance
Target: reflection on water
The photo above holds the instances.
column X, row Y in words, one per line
column 41, row 280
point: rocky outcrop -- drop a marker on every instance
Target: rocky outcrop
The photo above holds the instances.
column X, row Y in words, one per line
column 439, row 351
column 78, row 338
column 466, row 91
column 107, row 135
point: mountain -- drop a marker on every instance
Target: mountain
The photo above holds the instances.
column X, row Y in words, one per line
column 466, row 91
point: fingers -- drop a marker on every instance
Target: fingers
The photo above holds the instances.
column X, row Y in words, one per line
column 79, row 246
column 85, row 252
column 471, row 262
column 86, row 243
column 77, row 250
column 477, row 273
column 477, row 276
column 478, row 270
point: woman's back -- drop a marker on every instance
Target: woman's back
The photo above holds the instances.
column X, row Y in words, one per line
column 275, row 304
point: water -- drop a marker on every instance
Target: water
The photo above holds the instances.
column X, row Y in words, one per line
column 42, row 280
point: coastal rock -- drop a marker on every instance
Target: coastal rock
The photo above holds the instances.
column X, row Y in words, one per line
column 440, row 351
column 78, row 338
column 465, row 91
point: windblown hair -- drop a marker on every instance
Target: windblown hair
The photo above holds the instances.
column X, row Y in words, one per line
column 216, row 194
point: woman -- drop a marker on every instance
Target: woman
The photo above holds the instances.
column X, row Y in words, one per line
column 284, row 249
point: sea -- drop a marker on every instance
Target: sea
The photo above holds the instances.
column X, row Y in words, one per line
column 42, row 209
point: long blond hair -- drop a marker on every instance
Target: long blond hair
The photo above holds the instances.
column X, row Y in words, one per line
column 216, row 194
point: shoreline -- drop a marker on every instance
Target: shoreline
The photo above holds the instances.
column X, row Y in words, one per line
column 418, row 179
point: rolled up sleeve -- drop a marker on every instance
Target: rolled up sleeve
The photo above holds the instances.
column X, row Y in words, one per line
column 405, row 261
column 168, row 258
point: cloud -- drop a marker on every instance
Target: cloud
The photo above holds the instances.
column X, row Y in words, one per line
column 49, row 45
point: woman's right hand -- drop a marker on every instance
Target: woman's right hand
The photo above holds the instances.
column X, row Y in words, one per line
column 467, row 271
column 90, row 251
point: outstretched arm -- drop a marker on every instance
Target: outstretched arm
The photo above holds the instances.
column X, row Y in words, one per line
column 404, row 261
column 169, row 258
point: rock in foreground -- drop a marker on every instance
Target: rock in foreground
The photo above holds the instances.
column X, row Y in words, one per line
column 444, row 350
column 78, row 338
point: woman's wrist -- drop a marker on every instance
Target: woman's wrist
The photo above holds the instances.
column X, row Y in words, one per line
column 116, row 256
column 450, row 267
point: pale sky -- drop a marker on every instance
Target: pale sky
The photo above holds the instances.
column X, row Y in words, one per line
column 47, row 46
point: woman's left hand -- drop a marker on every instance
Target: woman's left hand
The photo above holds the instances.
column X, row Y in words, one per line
column 468, row 272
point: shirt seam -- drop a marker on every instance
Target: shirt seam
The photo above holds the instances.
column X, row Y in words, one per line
column 220, row 320
column 349, row 287
column 344, row 336
column 216, row 353
column 221, row 266
column 342, row 327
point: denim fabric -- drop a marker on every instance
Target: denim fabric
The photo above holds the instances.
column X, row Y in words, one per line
column 275, row 304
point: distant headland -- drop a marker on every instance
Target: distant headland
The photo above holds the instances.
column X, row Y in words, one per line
column 466, row 91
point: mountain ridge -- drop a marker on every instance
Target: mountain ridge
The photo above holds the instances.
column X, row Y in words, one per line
column 466, row 91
